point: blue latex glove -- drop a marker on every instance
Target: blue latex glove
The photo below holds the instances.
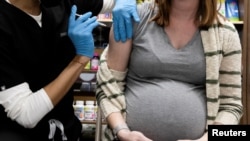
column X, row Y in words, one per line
column 80, row 32
column 122, row 13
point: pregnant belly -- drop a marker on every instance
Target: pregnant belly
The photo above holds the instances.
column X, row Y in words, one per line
column 167, row 111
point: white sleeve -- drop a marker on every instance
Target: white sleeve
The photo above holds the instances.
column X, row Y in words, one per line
column 108, row 5
column 24, row 106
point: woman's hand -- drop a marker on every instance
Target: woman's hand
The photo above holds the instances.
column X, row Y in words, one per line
column 127, row 135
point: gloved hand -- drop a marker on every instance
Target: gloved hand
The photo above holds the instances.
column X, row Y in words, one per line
column 122, row 13
column 80, row 32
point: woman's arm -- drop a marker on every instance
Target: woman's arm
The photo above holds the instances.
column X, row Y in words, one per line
column 118, row 53
column 117, row 59
column 230, row 108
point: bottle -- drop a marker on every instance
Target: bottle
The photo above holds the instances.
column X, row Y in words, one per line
column 79, row 109
column 232, row 10
column 95, row 61
column 89, row 111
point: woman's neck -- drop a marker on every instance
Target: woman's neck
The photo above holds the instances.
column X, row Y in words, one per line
column 31, row 7
column 184, row 9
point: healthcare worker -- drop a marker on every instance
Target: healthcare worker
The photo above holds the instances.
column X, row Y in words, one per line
column 43, row 49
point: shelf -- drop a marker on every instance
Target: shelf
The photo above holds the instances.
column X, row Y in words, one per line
column 83, row 93
column 88, row 122
column 89, row 71
column 237, row 22
column 91, row 122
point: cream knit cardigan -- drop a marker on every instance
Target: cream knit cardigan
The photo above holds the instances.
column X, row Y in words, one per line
column 222, row 49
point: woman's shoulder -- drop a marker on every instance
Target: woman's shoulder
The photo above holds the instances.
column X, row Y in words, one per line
column 225, row 24
column 145, row 8
column 145, row 11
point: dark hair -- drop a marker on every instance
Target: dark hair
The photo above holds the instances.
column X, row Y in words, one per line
column 206, row 14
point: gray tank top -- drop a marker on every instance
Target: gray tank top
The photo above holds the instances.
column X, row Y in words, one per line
column 165, row 91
